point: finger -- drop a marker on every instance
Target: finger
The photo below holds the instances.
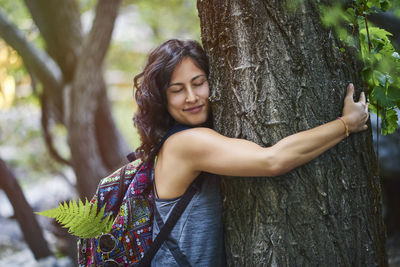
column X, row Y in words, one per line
column 350, row 91
column 362, row 98
column 365, row 127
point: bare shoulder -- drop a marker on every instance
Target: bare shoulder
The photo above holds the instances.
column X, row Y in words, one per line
column 194, row 140
column 203, row 149
column 196, row 132
column 176, row 163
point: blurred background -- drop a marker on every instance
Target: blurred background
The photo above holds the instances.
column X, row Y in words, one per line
column 44, row 180
column 36, row 159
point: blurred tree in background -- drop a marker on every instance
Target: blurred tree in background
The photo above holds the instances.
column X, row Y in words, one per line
column 60, row 58
column 52, row 56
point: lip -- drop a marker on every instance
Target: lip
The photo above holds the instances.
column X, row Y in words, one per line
column 195, row 109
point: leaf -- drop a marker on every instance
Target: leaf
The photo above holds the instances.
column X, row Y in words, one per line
column 82, row 220
column 391, row 117
column 380, row 77
column 379, row 95
column 385, row 5
column 389, row 122
column 51, row 213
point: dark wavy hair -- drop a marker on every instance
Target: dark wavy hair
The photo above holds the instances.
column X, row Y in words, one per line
column 152, row 118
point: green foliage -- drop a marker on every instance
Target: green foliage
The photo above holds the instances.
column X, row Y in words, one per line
column 170, row 19
column 381, row 72
column 82, row 219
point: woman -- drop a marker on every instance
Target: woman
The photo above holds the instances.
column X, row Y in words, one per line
column 173, row 89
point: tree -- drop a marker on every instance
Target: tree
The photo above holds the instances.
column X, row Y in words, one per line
column 74, row 91
column 23, row 213
column 275, row 72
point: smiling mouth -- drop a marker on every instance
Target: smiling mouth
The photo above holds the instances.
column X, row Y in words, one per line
column 194, row 108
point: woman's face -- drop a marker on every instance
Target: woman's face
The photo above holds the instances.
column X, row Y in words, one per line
column 187, row 94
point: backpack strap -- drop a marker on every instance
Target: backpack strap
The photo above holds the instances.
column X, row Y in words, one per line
column 170, row 223
column 176, row 211
column 173, row 130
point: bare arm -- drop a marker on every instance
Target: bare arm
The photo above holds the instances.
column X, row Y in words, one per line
column 203, row 149
column 304, row 146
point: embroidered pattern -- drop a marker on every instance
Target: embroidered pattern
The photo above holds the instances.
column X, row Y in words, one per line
column 132, row 227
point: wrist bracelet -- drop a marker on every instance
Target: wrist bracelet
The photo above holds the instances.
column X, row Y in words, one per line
column 345, row 125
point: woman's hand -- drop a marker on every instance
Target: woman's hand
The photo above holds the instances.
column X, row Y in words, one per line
column 355, row 114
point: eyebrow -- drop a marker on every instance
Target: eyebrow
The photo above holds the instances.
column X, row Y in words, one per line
column 194, row 78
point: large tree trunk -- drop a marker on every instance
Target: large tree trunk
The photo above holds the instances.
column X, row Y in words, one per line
column 64, row 43
column 274, row 73
column 23, row 213
column 87, row 86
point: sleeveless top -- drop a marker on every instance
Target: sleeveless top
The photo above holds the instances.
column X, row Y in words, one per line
column 197, row 237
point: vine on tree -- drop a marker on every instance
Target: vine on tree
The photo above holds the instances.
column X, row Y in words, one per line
column 381, row 72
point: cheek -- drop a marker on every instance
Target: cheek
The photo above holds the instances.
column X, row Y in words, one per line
column 175, row 101
column 205, row 92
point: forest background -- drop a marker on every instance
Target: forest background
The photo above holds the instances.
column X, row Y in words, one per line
column 140, row 26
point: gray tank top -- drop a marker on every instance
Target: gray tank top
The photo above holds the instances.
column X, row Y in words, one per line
column 198, row 234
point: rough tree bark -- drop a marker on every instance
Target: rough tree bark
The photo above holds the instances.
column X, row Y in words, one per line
column 274, row 73
column 23, row 213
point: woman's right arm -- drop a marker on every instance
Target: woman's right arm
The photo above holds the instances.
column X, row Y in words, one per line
column 202, row 149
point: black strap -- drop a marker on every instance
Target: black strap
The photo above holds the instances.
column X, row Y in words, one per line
column 174, row 129
column 131, row 156
column 171, row 243
column 170, row 223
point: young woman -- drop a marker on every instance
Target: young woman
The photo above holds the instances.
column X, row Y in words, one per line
column 173, row 90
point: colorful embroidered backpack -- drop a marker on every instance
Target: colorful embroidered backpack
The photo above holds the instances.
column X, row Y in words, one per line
column 129, row 242
column 131, row 231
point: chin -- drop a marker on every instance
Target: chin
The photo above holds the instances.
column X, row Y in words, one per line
column 199, row 123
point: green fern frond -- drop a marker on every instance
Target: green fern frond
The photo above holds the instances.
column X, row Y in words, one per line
column 82, row 220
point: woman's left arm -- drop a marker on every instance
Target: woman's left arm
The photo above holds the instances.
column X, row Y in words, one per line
column 302, row 147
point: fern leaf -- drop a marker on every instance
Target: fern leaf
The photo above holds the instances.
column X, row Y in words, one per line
column 82, row 220
column 52, row 213
column 63, row 212
column 70, row 215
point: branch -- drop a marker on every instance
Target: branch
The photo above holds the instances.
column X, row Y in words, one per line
column 35, row 59
column 46, row 133
column 60, row 26
column 23, row 212
column 99, row 37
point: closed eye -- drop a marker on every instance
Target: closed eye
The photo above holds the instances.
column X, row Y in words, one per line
column 176, row 90
column 199, row 83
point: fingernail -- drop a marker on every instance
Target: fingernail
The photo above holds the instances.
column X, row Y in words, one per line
column 351, row 85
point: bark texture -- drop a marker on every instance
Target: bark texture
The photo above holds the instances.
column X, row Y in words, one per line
column 23, row 213
column 275, row 72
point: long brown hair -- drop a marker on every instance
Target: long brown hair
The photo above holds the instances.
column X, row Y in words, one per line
column 152, row 118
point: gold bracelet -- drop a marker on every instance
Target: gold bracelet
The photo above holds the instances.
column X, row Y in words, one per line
column 345, row 125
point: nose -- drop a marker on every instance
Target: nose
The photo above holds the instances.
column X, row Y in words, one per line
column 191, row 97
